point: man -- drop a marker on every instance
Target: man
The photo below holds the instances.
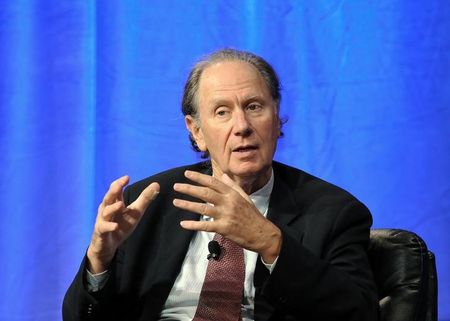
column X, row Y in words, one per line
column 304, row 240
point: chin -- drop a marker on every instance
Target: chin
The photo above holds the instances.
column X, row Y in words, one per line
column 247, row 170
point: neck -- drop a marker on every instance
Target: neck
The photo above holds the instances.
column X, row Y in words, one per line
column 250, row 183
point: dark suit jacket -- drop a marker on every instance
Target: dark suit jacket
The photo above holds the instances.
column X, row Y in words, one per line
column 322, row 271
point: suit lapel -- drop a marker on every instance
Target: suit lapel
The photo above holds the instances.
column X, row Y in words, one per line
column 282, row 206
column 283, row 210
column 174, row 244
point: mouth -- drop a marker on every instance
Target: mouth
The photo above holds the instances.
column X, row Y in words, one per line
column 245, row 148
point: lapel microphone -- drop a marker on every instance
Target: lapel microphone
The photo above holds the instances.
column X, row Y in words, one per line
column 214, row 250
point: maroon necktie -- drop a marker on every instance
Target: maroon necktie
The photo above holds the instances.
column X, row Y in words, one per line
column 221, row 295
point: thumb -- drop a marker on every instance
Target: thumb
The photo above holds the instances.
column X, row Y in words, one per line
column 228, row 181
column 146, row 197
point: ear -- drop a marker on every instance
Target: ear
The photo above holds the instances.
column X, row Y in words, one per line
column 279, row 128
column 194, row 128
column 279, row 124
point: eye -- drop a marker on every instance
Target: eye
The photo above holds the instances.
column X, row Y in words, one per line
column 221, row 111
column 254, row 107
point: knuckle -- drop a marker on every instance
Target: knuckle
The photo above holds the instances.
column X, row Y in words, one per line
column 204, row 209
column 110, row 211
column 99, row 228
column 207, row 192
column 226, row 225
column 207, row 228
column 230, row 225
column 106, row 210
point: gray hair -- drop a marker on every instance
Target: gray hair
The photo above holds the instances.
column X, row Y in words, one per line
column 189, row 105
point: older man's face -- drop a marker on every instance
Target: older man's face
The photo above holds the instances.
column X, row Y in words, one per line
column 239, row 123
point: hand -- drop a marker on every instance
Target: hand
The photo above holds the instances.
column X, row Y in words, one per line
column 235, row 216
column 115, row 222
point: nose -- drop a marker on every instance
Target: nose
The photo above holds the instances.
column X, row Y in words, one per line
column 242, row 126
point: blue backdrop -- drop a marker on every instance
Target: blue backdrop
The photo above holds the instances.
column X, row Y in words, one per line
column 90, row 90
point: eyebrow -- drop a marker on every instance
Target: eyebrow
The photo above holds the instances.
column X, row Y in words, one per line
column 253, row 98
column 246, row 100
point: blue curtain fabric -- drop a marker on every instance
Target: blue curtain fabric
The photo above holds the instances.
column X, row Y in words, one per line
column 90, row 90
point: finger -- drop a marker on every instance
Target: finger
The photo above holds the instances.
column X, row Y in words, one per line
column 198, row 226
column 228, row 181
column 146, row 197
column 107, row 227
column 129, row 218
column 115, row 190
column 204, row 193
column 199, row 208
column 206, row 180
column 110, row 211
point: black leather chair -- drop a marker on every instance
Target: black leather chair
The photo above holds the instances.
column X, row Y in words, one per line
column 405, row 274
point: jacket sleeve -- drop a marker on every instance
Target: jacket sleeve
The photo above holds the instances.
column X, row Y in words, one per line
column 334, row 283
column 81, row 305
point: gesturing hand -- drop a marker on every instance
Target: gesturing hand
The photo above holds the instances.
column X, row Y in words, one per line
column 235, row 216
column 115, row 222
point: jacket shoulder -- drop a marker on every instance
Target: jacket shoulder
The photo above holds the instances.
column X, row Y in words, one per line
column 307, row 186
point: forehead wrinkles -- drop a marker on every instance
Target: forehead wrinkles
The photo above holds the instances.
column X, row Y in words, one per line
column 241, row 78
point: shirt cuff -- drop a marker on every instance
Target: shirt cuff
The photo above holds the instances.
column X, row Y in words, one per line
column 95, row 282
column 270, row 266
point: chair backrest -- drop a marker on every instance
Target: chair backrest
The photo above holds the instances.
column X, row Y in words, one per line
column 405, row 275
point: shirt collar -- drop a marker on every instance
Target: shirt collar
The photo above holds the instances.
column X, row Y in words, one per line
column 261, row 197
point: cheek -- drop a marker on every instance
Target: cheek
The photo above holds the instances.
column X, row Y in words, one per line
column 270, row 134
column 215, row 142
column 217, row 137
column 270, row 129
